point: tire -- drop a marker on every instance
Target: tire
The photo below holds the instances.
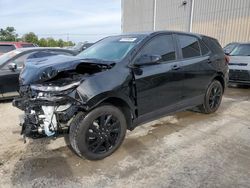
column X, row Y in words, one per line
column 213, row 94
column 99, row 133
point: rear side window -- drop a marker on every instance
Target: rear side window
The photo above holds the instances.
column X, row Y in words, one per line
column 189, row 46
column 6, row 48
column 27, row 45
column 162, row 45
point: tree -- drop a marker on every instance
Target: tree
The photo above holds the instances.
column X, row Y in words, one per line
column 8, row 34
column 30, row 37
column 69, row 43
column 43, row 42
column 51, row 42
column 60, row 43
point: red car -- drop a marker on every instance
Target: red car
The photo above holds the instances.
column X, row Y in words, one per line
column 9, row 46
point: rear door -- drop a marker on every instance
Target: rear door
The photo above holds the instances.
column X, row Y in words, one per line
column 195, row 66
column 159, row 85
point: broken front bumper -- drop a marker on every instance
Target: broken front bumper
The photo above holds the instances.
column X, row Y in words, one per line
column 46, row 116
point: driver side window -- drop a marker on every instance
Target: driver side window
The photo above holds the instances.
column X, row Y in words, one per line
column 162, row 45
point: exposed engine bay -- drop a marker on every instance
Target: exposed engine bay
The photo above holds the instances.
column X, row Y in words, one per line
column 51, row 100
column 47, row 113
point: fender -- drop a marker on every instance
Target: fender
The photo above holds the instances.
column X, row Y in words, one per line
column 220, row 77
column 117, row 84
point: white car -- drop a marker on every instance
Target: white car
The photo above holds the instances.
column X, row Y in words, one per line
column 239, row 64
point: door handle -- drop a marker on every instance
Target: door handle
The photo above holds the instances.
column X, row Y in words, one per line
column 175, row 67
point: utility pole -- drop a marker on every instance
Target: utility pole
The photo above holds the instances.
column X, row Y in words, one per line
column 67, row 37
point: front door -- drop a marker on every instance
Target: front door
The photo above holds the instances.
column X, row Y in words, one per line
column 159, row 85
column 9, row 82
column 9, row 79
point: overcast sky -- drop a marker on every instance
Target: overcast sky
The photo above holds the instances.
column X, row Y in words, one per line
column 83, row 20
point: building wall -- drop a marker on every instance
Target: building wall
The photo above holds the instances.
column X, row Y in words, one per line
column 226, row 20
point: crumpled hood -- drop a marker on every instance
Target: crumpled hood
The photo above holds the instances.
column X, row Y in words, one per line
column 43, row 69
column 239, row 62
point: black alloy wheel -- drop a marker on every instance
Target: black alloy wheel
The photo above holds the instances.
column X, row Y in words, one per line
column 215, row 96
column 98, row 133
column 212, row 98
column 103, row 133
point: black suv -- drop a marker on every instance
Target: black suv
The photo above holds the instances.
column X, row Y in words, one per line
column 119, row 83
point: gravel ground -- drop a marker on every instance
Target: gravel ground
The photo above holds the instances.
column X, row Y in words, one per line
column 185, row 150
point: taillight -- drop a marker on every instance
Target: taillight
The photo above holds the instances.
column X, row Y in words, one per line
column 227, row 59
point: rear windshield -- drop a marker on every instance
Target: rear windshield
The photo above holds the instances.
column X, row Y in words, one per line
column 27, row 45
column 241, row 50
column 4, row 48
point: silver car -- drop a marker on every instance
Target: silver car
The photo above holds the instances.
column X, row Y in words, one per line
column 239, row 64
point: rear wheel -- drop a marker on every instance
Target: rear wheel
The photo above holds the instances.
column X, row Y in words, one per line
column 99, row 133
column 212, row 98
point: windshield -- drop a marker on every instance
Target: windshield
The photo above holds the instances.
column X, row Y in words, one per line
column 7, row 56
column 111, row 48
column 229, row 48
column 241, row 50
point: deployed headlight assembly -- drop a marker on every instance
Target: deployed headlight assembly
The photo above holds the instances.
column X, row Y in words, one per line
column 51, row 88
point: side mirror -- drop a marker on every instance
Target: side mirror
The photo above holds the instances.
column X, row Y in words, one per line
column 147, row 60
column 227, row 52
column 12, row 66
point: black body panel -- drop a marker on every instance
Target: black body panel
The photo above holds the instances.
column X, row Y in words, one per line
column 142, row 90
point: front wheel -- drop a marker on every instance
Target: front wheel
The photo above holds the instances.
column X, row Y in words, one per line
column 212, row 98
column 99, row 133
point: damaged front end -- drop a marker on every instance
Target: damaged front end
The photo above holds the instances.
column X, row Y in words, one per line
column 47, row 109
column 49, row 96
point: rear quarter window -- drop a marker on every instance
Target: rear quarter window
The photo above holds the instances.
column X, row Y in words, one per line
column 204, row 49
column 6, row 48
column 213, row 45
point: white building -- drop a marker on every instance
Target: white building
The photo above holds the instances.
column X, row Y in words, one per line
column 226, row 20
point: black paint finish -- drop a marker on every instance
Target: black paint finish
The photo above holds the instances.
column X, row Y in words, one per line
column 171, row 84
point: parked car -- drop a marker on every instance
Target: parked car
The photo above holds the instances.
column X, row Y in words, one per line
column 80, row 46
column 9, row 46
column 239, row 64
column 12, row 62
column 119, row 83
column 229, row 47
